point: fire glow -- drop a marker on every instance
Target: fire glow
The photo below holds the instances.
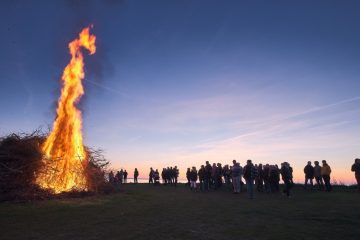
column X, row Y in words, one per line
column 65, row 155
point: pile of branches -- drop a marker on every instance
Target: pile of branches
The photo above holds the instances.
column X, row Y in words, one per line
column 21, row 158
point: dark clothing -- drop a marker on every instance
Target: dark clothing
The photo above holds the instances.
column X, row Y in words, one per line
column 358, row 182
column 286, row 176
column 250, row 172
column 356, row 168
column 320, row 183
column 201, row 174
column 207, row 176
column 193, row 176
column 309, row 171
column 136, row 175
column 328, row 187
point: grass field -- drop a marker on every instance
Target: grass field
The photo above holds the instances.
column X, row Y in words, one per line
column 163, row 212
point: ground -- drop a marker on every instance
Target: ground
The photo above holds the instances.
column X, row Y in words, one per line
column 162, row 212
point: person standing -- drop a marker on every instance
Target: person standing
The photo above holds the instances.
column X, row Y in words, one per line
column 136, row 175
column 156, row 177
column 193, row 178
column 286, row 177
column 125, row 176
column 176, row 175
column 356, row 169
column 111, row 177
column 325, row 173
column 236, row 177
column 309, row 175
column 250, row 175
column 201, row 174
column 317, row 175
column 207, row 175
column 188, row 172
column 260, row 178
column 151, row 175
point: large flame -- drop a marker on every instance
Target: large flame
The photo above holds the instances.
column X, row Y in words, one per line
column 64, row 149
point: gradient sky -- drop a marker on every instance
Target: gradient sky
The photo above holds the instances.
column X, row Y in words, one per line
column 181, row 82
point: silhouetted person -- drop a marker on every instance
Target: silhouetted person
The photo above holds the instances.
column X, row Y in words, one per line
column 286, row 176
column 218, row 175
column 260, row 178
column 176, row 175
column 193, row 178
column 156, row 177
column 188, row 176
column 207, row 174
column 201, row 174
column 227, row 175
column 267, row 178
column 356, row 169
column 236, row 176
column 151, row 176
column 309, row 175
column 317, row 175
column 274, row 176
column 250, row 174
column 111, row 177
column 117, row 177
column 125, row 176
column 136, row 175
column 325, row 173
column 163, row 176
column 121, row 176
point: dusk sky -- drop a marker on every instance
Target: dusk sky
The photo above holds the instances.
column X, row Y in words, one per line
column 181, row 82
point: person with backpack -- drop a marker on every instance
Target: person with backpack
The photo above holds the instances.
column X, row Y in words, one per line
column 325, row 173
column 250, row 173
column 356, row 169
column 309, row 175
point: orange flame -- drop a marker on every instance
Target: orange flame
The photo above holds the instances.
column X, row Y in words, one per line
column 64, row 147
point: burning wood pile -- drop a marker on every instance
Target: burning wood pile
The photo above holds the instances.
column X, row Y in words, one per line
column 38, row 164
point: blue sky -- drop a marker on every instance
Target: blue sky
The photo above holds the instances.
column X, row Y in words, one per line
column 181, row 82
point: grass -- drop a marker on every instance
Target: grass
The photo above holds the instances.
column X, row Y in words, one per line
column 148, row 212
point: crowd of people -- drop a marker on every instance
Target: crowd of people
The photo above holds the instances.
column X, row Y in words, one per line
column 119, row 177
column 262, row 178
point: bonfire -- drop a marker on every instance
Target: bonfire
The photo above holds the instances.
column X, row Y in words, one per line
column 56, row 162
column 65, row 155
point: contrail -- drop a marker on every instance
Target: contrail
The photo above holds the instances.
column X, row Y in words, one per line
column 107, row 88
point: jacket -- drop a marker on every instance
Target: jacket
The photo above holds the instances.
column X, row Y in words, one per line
column 325, row 170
